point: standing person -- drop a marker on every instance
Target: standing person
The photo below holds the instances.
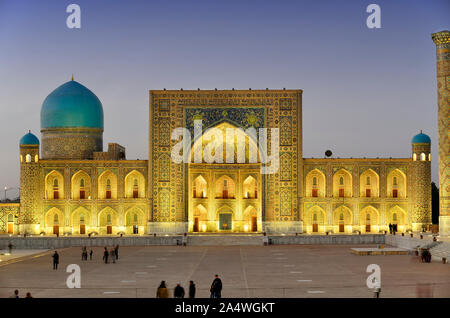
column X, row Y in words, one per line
column 162, row 291
column 55, row 260
column 116, row 251
column 113, row 255
column 28, row 295
column 191, row 289
column 105, row 255
column 178, row 292
column 16, row 294
column 216, row 287
column 10, row 247
column 90, row 254
column 390, row 228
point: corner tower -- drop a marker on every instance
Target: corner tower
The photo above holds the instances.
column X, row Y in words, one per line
column 71, row 123
column 442, row 41
column 29, row 184
column 421, row 154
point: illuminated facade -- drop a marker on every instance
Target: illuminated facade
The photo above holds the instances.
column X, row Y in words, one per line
column 442, row 41
column 70, row 186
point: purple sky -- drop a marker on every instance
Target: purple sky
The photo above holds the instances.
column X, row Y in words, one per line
column 367, row 92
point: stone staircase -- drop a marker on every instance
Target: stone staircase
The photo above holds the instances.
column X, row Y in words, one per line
column 440, row 251
column 230, row 240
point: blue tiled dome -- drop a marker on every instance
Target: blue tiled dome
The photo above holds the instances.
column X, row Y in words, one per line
column 421, row 139
column 29, row 139
column 72, row 105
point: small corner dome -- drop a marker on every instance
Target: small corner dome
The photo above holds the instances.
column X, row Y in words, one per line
column 72, row 105
column 29, row 139
column 421, row 139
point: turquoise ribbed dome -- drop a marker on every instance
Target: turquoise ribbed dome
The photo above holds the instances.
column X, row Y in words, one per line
column 72, row 105
column 29, row 139
column 421, row 139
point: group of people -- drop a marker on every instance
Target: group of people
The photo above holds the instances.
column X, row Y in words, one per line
column 178, row 292
column 16, row 294
column 392, row 228
column 84, row 254
column 113, row 254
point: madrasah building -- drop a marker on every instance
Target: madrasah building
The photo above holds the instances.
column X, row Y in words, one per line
column 69, row 185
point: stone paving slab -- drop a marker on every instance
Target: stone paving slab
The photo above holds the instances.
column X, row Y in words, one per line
column 300, row 271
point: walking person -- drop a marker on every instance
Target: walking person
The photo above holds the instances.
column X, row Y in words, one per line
column 84, row 254
column 10, row 247
column 162, row 291
column 105, row 255
column 191, row 289
column 216, row 287
column 16, row 294
column 90, row 254
column 116, row 251
column 113, row 255
column 178, row 292
column 390, row 228
column 55, row 260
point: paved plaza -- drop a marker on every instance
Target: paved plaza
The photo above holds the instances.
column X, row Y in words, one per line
column 246, row 271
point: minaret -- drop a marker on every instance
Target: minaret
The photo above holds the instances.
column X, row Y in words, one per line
column 421, row 155
column 29, row 184
column 442, row 41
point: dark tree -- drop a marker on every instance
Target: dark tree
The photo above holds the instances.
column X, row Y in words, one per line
column 434, row 203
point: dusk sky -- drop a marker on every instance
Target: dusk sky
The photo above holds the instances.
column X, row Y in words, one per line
column 366, row 92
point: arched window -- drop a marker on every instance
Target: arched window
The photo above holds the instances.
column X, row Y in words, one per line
column 81, row 218
column 394, row 217
column 394, row 182
column 368, row 181
column 315, row 217
column 368, row 217
column 28, row 158
column 341, row 181
column 108, row 191
column 36, row 158
column 135, row 189
column 429, row 157
column 135, row 218
column 55, row 189
column 314, row 181
column 422, row 157
column 341, row 217
column 10, row 218
column 55, row 219
column 414, row 156
column 108, row 219
column 82, row 190
column 225, row 189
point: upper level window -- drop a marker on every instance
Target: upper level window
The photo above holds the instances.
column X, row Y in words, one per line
column 368, row 181
column 56, row 219
column 315, row 181
column 135, row 189
column 394, row 182
column 341, row 181
column 108, row 189
column 422, row 157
